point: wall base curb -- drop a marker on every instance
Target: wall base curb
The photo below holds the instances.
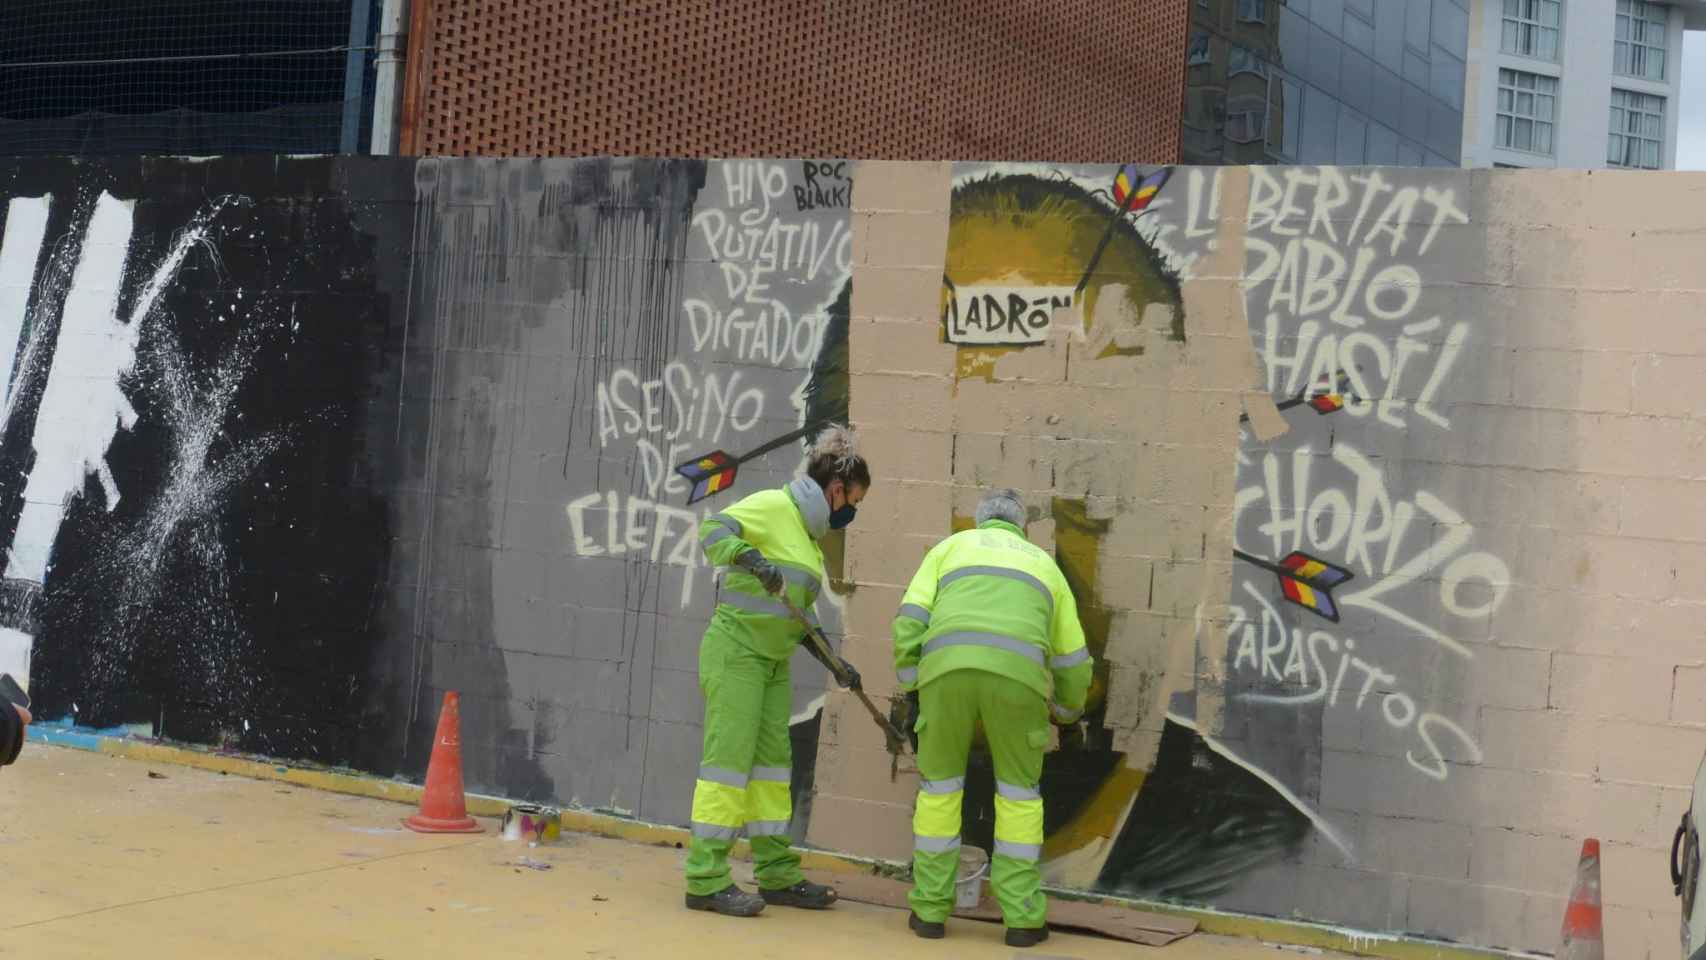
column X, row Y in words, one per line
column 124, row 744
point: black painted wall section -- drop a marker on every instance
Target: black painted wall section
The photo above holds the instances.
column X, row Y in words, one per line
column 309, row 472
column 235, row 592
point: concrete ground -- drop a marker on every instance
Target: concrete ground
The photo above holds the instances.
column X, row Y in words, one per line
column 104, row 857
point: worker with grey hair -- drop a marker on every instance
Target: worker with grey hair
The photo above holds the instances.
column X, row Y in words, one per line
column 987, row 635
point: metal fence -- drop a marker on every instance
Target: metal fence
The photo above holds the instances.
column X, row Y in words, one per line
column 186, row 76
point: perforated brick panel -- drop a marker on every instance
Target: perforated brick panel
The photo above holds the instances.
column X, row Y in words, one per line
column 1062, row 80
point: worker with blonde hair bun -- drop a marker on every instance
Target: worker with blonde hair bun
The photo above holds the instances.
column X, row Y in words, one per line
column 769, row 544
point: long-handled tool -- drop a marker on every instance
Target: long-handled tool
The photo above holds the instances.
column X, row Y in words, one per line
column 712, row 473
column 896, row 739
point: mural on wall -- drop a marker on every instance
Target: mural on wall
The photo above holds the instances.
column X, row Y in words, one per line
column 292, row 447
column 1063, row 261
column 630, row 345
column 167, row 557
column 1355, row 598
column 1361, row 593
column 289, row 448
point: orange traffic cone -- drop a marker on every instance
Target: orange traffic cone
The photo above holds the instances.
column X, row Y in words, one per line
column 443, row 807
column 1584, row 929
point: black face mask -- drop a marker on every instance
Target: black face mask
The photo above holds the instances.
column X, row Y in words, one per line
column 841, row 518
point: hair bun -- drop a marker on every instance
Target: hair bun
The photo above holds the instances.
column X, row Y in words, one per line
column 838, row 443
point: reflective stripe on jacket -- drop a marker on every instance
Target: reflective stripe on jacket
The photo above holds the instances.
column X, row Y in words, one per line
column 769, row 521
column 988, row 599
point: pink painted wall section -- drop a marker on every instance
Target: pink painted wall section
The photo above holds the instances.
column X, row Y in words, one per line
column 1381, row 492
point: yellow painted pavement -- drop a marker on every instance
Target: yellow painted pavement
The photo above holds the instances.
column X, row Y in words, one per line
column 99, row 859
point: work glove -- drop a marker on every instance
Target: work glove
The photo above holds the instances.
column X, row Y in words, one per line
column 845, row 676
column 911, row 727
column 760, row 566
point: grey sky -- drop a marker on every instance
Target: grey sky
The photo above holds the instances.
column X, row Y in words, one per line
column 1691, row 124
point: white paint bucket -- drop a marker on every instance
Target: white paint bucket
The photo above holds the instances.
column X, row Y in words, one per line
column 968, row 888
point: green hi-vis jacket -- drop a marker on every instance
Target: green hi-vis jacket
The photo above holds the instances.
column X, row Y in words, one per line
column 988, row 599
column 778, row 523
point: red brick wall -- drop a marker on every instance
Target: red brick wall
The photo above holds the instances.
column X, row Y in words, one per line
column 1062, row 80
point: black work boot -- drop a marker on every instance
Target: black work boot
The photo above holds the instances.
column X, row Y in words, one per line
column 926, row 929
column 1026, row 936
column 805, row 895
column 731, row 901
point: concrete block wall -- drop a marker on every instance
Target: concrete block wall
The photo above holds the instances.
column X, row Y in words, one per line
column 1473, row 399
column 1507, row 472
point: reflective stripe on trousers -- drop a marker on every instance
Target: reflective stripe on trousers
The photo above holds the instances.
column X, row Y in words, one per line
column 726, row 801
column 936, row 818
column 719, row 803
column 768, row 802
column 1018, row 822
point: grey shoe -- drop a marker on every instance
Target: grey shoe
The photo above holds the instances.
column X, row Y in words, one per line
column 731, row 901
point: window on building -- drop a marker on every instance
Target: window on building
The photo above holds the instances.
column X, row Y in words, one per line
column 1202, row 143
column 1527, row 105
column 1198, row 50
column 1245, row 60
column 1246, row 119
column 1637, row 130
column 1640, row 50
column 1253, row 11
column 1531, row 28
column 1285, row 103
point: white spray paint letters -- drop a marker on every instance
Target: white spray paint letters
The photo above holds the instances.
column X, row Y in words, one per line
column 1327, row 669
column 772, row 254
column 757, row 250
column 1328, row 281
column 82, row 407
column 82, row 404
column 1390, row 543
column 681, row 404
column 1336, row 298
column 20, row 249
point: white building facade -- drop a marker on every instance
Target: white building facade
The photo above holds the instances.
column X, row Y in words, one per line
column 1579, row 84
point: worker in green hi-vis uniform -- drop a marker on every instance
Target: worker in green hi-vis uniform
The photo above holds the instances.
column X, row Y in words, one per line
column 768, row 542
column 987, row 635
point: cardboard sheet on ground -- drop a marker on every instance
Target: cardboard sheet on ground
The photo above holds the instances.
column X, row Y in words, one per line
column 1121, row 923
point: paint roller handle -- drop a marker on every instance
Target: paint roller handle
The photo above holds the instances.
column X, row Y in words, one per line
column 819, row 646
column 844, row 674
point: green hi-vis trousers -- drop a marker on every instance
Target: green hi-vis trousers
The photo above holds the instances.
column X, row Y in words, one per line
column 1015, row 722
column 744, row 769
